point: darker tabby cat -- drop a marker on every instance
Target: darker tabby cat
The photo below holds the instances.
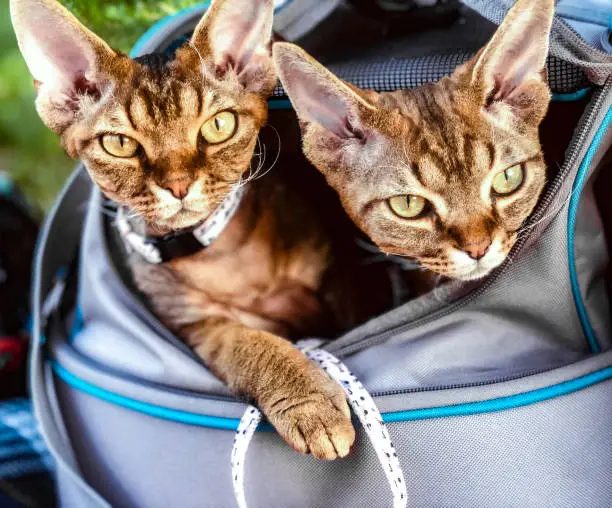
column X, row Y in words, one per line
column 170, row 138
column 445, row 173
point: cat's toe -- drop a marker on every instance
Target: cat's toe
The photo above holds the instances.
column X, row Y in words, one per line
column 328, row 435
column 318, row 427
column 330, row 439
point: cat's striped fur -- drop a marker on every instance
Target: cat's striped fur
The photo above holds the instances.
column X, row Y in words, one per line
column 444, row 142
column 276, row 271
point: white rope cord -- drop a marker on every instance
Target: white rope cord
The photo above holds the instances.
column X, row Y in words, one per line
column 244, row 434
column 363, row 406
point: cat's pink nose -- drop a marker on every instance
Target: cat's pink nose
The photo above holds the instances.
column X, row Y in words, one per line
column 477, row 248
column 179, row 187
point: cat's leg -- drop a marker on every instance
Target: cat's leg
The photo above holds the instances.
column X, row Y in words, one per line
column 306, row 407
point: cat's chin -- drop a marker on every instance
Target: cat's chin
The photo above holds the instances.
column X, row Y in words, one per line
column 463, row 267
column 181, row 220
column 476, row 273
column 477, row 270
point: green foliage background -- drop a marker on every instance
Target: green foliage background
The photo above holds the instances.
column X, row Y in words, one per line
column 28, row 150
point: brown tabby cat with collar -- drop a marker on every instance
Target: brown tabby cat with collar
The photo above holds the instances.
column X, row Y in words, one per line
column 445, row 173
column 169, row 137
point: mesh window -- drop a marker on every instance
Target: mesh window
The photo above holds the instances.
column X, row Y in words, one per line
column 386, row 75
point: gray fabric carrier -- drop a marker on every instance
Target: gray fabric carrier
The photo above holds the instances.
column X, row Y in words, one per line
column 495, row 394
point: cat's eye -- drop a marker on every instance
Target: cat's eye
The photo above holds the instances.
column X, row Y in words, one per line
column 219, row 128
column 119, row 145
column 508, row 180
column 407, row 207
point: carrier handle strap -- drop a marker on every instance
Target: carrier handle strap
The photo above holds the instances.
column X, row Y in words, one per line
column 364, row 408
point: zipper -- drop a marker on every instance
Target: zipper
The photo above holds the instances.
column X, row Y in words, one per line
column 584, row 127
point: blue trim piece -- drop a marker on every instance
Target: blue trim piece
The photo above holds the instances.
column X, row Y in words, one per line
column 29, row 325
column 469, row 408
column 174, row 415
column 61, row 273
column 7, row 187
column 279, row 104
column 162, row 23
column 502, row 403
column 78, row 324
column 283, row 6
column 581, row 178
column 582, row 15
column 571, row 97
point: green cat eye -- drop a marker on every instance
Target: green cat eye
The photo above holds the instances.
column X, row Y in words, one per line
column 219, row 128
column 508, row 180
column 119, row 145
column 407, row 207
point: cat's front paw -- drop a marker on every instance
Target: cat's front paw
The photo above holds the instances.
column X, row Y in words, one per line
column 318, row 422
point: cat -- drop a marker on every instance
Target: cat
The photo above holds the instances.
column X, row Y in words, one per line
column 445, row 173
column 170, row 137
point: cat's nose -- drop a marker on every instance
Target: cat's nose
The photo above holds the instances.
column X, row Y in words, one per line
column 179, row 187
column 477, row 248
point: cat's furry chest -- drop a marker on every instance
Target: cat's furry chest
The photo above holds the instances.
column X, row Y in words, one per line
column 265, row 269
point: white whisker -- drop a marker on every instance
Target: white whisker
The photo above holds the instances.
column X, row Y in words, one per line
column 205, row 72
column 261, row 155
column 258, row 173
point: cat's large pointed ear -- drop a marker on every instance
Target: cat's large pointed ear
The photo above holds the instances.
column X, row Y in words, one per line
column 318, row 95
column 236, row 36
column 64, row 58
column 515, row 58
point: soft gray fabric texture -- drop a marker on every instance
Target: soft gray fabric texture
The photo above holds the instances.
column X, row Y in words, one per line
column 553, row 454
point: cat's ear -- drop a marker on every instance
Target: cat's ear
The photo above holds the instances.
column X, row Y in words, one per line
column 236, row 35
column 64, row 58
column 512, row 65
column 317, row 95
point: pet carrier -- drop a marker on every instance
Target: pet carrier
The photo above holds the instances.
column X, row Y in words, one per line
column 495, row 393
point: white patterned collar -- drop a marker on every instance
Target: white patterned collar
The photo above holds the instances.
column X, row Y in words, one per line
column 178, row 244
